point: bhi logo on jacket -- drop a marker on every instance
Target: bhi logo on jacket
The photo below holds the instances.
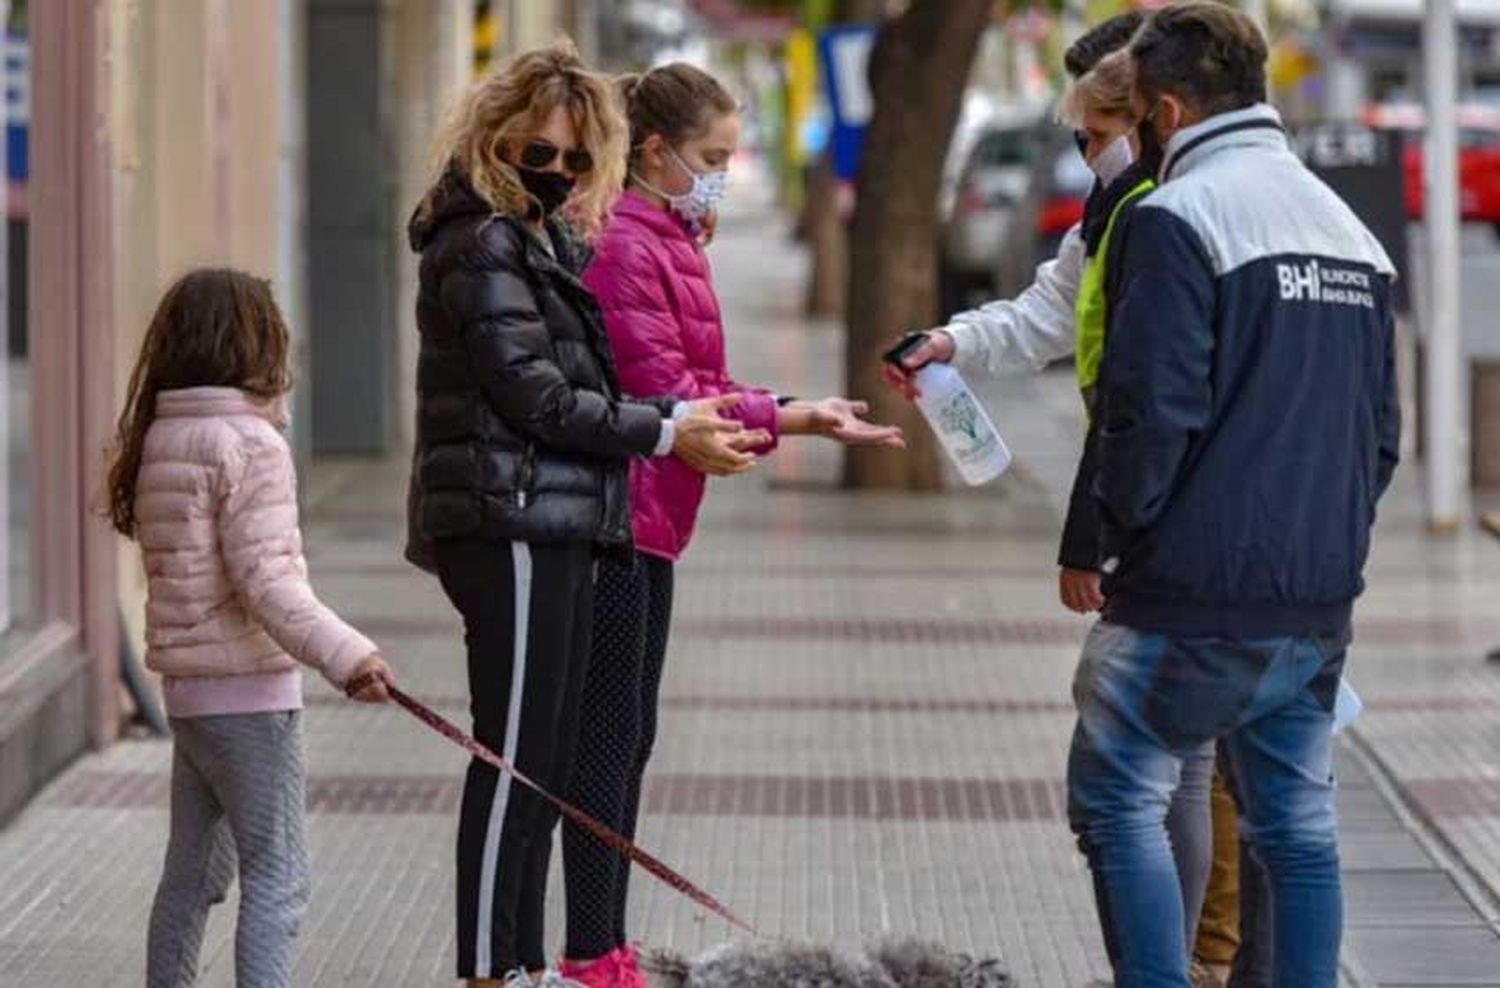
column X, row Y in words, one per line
column 1315, row 282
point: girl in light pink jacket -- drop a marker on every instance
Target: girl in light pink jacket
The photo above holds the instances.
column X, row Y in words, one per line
column 202, row 478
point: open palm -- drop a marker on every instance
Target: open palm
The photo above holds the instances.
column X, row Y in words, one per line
column 843, row 419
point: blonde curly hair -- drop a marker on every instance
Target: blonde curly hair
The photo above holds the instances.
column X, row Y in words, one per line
column 508, row 106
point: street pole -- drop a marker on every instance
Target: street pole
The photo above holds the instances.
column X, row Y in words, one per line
column 1444, row 397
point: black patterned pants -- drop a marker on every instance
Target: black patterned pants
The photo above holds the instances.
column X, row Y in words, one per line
column 632, row 616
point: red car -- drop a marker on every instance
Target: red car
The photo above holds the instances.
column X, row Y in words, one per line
column 1478, row 157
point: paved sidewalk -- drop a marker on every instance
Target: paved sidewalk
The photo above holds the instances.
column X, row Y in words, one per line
column 866, row 720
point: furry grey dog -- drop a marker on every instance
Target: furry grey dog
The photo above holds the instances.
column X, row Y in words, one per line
column 773, row 964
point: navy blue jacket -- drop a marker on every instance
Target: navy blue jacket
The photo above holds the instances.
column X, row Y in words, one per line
column 1247, row 406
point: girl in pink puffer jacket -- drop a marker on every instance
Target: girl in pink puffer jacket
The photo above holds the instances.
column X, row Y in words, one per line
column 652, row 281
column 202, row 478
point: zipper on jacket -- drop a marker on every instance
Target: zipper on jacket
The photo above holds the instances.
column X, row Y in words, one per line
column 526, row 475
column 608, row 526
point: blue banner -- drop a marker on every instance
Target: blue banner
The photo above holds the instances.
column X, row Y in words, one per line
column 844, row 53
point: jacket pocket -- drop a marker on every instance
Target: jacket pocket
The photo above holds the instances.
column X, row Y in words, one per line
column 612, row 522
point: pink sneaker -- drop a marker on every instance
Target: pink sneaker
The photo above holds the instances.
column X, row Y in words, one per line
column 602, row 972
column 629, row 966
column 620, row 968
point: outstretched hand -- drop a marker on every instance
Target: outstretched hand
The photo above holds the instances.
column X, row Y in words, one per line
column 844, row 419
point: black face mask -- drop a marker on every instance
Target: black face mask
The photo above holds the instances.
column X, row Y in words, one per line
column 549, row 189
column 1153, row 155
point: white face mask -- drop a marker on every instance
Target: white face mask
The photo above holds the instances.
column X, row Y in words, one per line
column 1110, row 163
column 709, row 189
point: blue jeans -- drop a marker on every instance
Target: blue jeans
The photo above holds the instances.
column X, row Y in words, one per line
column 1145, row 701
column 1190, row 832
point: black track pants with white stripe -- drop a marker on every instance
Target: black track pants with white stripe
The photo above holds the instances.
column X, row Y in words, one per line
column 526, row 611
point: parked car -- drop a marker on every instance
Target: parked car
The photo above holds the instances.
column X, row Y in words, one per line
column 977, row 115
column 1478, row 157
column 1061, row 195
column 1059, row 185
column 991, row 184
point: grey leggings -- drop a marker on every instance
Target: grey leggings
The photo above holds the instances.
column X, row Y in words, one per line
column 1191, row 832
column 238, row 789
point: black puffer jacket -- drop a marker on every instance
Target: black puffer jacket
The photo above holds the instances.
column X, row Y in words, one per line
column 521, row 431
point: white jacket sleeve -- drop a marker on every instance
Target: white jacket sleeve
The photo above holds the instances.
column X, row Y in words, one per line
column 1030, row 331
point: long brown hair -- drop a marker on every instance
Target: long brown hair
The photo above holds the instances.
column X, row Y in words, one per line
column 678, row 101
column 216, row 327
column 509, row 105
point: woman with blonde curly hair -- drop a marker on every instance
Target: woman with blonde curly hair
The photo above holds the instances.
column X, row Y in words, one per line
column 521, row 471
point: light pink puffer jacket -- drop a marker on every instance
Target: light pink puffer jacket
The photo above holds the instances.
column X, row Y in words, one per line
column 216, row 513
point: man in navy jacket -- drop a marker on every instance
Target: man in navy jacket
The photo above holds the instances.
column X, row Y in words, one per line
column 1248, row 424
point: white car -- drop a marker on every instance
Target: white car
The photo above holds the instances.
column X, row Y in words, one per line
column 980, row 205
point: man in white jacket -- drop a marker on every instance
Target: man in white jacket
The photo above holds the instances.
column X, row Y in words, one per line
column 1021, row 334
column 1026, row 333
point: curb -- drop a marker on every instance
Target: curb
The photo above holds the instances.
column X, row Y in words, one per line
column 1483, row 897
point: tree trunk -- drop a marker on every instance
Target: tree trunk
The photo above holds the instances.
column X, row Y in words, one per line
column 861, row 11
column 828, row 239
column 918, row 71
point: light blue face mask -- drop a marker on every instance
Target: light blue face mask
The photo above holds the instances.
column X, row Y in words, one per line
column 694, row 206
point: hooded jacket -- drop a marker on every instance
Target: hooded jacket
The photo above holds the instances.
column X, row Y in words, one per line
column 522, row 433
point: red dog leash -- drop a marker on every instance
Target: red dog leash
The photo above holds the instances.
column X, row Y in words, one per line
column 613, row 840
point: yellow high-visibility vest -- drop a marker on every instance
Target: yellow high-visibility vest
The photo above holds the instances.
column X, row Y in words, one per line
column 1090, row 310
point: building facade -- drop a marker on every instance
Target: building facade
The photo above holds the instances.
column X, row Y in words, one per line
column 286, row 137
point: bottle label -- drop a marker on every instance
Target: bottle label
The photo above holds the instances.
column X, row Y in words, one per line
column 970, row 439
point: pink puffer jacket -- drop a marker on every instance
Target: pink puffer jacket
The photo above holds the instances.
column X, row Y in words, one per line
column 216, row 513
column 653, row 282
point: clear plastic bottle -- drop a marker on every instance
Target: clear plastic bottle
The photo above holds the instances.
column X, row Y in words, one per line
column 962, row 425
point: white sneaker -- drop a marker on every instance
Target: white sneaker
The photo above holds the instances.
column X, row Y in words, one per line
column 552, row 979
column 518, row 978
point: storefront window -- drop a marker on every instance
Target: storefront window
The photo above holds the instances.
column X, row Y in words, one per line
column 15, row 377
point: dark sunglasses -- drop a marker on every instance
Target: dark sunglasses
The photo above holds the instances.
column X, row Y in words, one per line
column 540, row 154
